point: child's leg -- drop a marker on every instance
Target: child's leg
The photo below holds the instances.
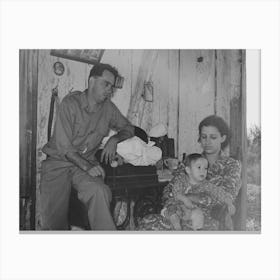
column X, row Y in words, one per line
column 173, row 211
column 187, row 214
column 175, row 221
column 197, row 219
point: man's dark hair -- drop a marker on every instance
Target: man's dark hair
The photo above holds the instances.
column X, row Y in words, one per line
column 192, row 158
column 98, row 69
column 220, row 124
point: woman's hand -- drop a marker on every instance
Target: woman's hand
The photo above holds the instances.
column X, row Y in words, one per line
column 231, row 209
column 230, row 206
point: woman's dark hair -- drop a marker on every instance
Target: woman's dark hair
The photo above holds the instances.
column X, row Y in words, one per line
column 192, row 158
column 220, row 124
column 98, row 69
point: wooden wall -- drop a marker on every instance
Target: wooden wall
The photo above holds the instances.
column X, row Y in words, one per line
column 188, row 85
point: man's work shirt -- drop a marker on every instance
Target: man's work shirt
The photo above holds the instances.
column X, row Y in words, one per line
column 77, row 129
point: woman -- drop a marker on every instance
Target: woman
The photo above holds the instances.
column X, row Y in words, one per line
column 224, row 172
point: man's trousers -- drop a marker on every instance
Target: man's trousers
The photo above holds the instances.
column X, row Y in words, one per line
column 57, row 178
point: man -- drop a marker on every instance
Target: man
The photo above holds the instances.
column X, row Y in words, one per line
column 83, row 119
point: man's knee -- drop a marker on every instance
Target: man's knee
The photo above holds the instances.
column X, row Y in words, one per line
column 97, row 189
column 104, row 190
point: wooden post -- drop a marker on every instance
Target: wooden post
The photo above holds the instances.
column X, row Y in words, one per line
column 28, row 60
column 243, row 202
column 173, row 97
column 238, row 148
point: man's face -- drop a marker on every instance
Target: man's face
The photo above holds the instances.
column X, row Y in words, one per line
column 102, row 87
column 198, row 170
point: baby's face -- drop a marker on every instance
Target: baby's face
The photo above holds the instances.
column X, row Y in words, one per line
column 198, row 170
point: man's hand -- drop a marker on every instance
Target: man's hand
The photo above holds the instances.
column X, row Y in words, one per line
column 109, row 152
column 96, row 171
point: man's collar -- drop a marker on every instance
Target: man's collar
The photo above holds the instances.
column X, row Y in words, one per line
column 85, row 103
column 84, row 100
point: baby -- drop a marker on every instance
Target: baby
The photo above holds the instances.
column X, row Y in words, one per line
column 181, row 205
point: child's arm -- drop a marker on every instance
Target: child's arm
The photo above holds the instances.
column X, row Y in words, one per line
column 194, row 198
column 187, row 202
column 175, row 186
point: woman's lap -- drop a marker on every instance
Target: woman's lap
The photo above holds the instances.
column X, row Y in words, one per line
column 157, row 222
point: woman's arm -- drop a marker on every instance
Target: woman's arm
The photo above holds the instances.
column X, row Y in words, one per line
column 202, row 199
column 229, row 178
column 217, row 193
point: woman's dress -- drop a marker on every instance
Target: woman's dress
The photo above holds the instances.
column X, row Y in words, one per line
column 224, row 180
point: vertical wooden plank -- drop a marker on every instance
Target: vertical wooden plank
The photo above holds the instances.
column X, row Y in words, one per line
column 223, row 82
column 28, row 60
column 163, row 86
column 34, row 89
column 235, row 103
column 135, row 66
column 121, row 59
column 224, row 85
column 243, row 204
column 135, row 111
column 196, row 95
column 159, row 78
column 173, row 94
column 238, row 148
column 23, row 132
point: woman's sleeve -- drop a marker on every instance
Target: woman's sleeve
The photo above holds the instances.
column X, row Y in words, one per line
column 230, row 179
column 217, row 194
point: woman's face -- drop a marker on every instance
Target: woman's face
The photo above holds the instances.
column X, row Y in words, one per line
column 211, row 140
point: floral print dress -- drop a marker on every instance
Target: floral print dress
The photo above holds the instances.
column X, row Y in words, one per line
column 223, row 181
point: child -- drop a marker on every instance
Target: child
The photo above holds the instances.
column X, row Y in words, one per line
column 183, row 204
